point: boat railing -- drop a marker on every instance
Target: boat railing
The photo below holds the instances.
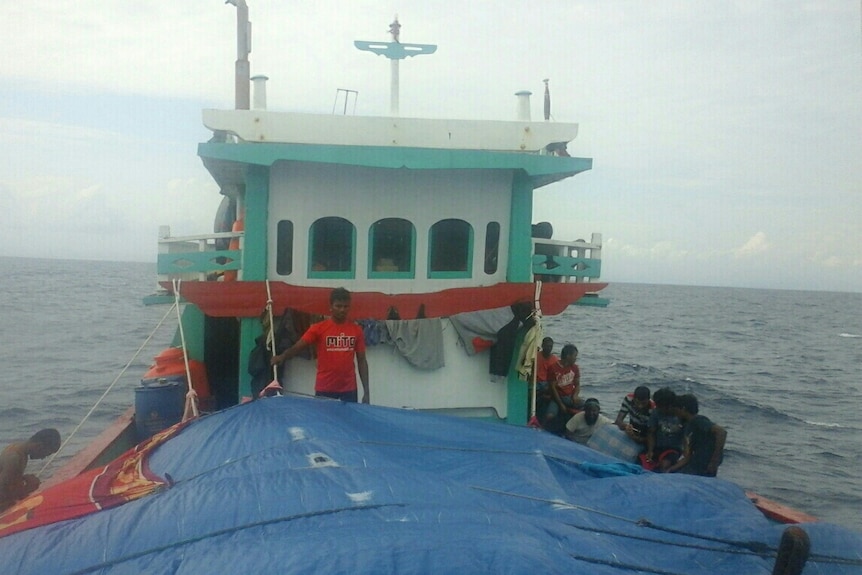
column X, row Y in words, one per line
column 567, row 261
column 204, row 257
column 198, row 258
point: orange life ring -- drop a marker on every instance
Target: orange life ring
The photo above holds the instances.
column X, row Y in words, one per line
column 238, row 226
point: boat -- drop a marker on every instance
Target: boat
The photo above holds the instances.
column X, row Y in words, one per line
column 429, row 224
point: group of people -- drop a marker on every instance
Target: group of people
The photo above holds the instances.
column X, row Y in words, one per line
column 673, row 435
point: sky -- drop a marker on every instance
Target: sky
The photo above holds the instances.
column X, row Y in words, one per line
column 726, row 137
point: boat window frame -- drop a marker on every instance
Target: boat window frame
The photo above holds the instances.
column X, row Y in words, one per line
column 373, row 258
column 491, row 262
column 433, row 247
column 284, row 247
column 349, row 273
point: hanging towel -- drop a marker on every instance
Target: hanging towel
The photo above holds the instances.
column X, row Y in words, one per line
column 529, row 349
column 420, row 341
column 478, row 326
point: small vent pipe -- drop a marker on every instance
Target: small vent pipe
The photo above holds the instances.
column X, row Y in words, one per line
column 523, row 105
column 259, row 83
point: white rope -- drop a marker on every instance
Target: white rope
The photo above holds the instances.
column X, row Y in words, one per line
column 537, row 317
column 110, row 387
column 274, row 386
column 191, row 408
column 271, row 335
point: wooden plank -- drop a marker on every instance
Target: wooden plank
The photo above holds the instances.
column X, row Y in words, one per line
column 117, row 437
column 778, row 512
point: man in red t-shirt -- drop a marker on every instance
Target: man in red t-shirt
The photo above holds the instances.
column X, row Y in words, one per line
column 564, row 379
column 340, row 349
column 544, row 359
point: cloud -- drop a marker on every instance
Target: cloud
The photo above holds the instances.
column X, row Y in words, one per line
column 756, row 244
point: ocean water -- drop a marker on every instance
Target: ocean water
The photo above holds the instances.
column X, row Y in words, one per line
column 778, row 369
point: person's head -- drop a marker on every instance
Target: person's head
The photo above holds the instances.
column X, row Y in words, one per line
column 44, row 443
column 569, row 354
column 547, row 346
column 686, row 406
column 339, row 304
column 665, row 401
column 641, row 398
column 591, row 410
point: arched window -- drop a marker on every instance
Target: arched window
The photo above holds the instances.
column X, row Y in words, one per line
column 492, row 247
column 450, row 249
column 332, row 253
column 392, row 243
column 284, row 248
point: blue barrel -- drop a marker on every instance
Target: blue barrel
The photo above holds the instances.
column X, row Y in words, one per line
column 159, row 404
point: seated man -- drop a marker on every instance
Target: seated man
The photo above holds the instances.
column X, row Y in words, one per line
column 664, row 433
column 637, row 407
column 564, row 382
column 14, row 484
column 581, row 427
column 704, row 440
column 544, row 359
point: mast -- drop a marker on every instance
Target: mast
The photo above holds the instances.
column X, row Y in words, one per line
column 395, row 51
column 242, row 68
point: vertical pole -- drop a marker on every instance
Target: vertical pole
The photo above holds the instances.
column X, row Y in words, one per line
column 243, row 68
column 393, row 87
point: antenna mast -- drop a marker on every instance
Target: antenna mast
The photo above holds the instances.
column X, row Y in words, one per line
column 395, row 51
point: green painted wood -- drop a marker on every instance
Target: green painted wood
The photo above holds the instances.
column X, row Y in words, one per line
column 539, row 169
column 254, row 260
column 516, row 390
column 249, row 328
column 566, row 266
column 256, row 215
column 198, row 262
column 193, row 330
column 520, row 230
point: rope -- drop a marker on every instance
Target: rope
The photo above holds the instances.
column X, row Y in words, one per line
column 537, row 317
column 110, row 387
column 754, row 546
column 271, row 335
column 274, row 386
column 750, row 547
column 628, row 566
column 191, row 408
column 226, row 531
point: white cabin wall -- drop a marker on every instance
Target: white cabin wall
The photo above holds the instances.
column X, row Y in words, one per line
column 305, row 192
column 464, row 382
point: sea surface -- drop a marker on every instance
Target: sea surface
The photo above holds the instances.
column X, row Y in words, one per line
column 780, row 370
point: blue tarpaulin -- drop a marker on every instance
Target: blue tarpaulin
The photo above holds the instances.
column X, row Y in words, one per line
column 300, row 485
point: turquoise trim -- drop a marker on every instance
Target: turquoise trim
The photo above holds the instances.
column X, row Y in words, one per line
column 254, row 261
column 408, row 274
column 566, row 266
column 449, row 275
column 467, row 273
column 198, row 262
column 516, row 390
column 193, row 332
column 348, row 274
column 256, row 215
column 539, row 170
column 345, row 275
column 395, row 50
column 392, row 275
column 157, row 299
column 520, row 230
column 249, row 328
